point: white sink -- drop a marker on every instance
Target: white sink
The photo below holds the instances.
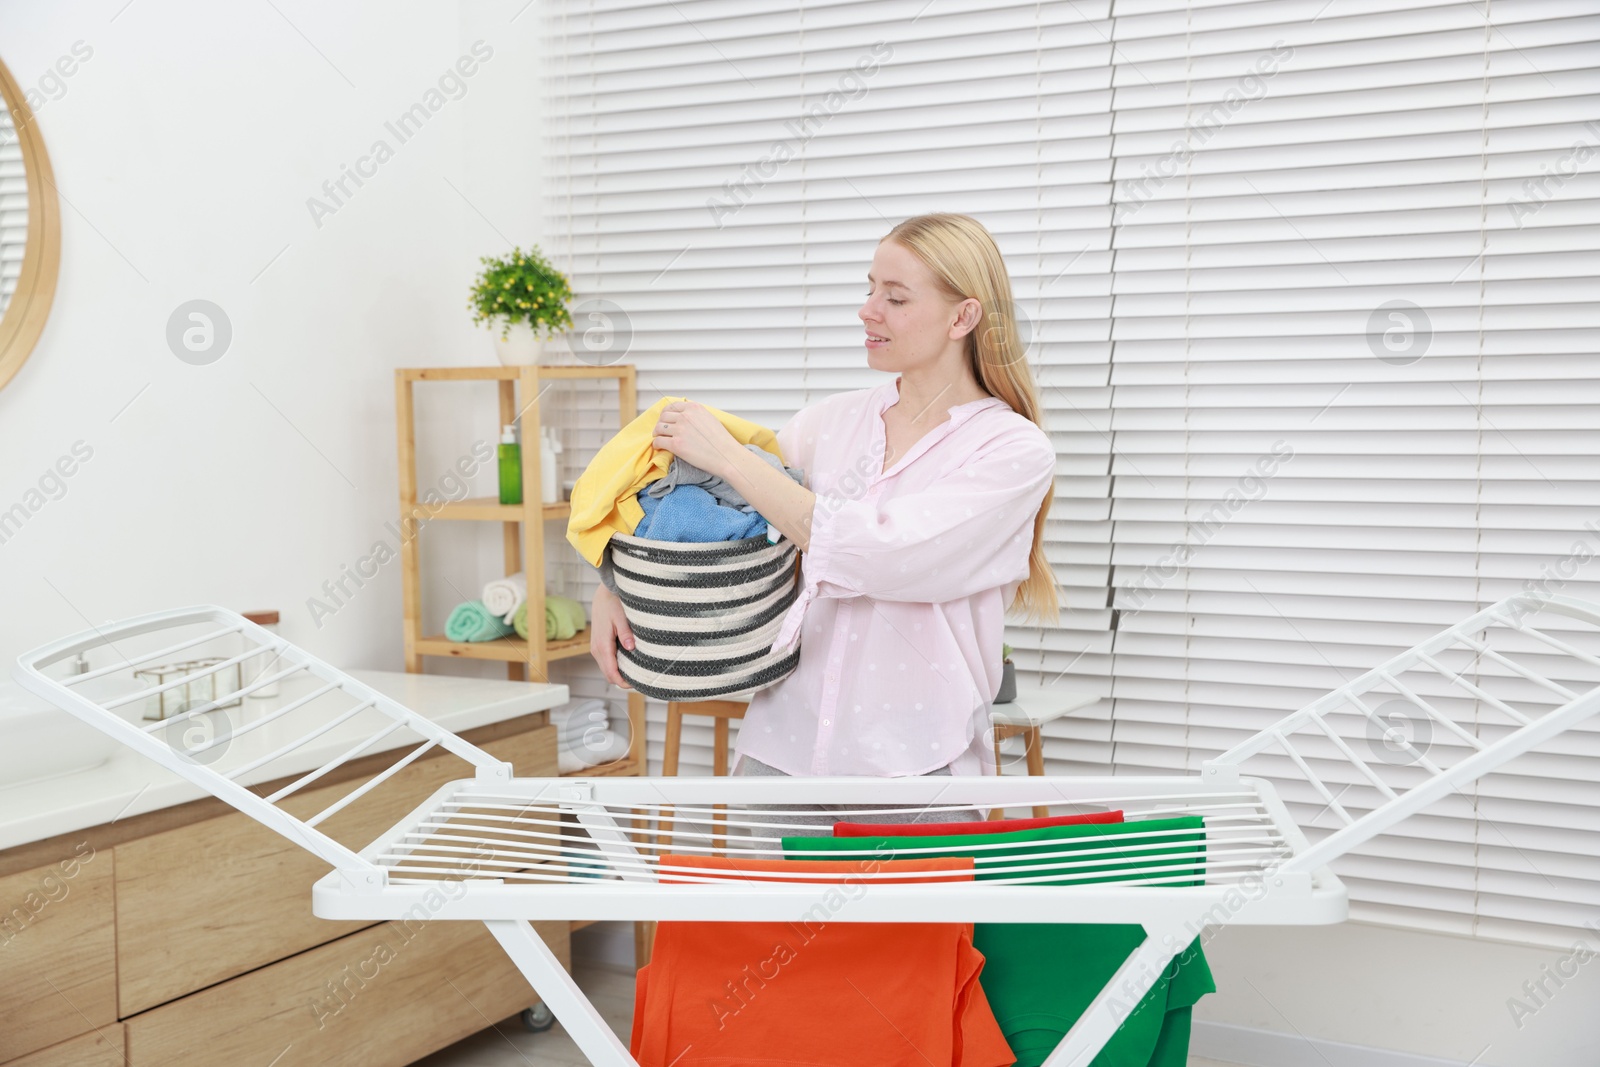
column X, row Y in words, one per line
column 42, row 741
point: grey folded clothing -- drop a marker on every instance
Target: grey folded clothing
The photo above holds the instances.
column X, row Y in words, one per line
column 682, row 472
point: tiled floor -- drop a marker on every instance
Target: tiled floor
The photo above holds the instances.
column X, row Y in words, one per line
column 507, row 1044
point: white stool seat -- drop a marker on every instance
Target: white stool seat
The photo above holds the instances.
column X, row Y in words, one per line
column 1036, row 705
column 1033, row 706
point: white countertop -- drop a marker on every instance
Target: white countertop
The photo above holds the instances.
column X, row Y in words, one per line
column 128, row 783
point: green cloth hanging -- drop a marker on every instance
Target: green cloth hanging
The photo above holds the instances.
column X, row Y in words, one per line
column 1039, row 977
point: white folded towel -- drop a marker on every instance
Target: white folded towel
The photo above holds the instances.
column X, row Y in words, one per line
column 504, row 596
column 585, row 736
column 602, row 749
column 577, row 718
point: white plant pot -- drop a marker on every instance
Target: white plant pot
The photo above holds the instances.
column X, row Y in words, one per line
column 519, row 348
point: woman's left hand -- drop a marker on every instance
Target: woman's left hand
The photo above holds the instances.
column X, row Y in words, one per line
column 690, row 432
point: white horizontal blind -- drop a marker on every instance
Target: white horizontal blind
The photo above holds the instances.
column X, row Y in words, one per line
column 13, row 209
column 1191, row 310
column 722, row 173
column 1353, row 395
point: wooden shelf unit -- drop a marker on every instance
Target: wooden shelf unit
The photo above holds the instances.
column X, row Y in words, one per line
column 524, row 659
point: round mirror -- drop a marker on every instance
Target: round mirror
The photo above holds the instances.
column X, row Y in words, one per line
column 30, row 230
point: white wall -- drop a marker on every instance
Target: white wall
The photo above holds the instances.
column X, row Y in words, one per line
column 185, row 149
column 1430, row 994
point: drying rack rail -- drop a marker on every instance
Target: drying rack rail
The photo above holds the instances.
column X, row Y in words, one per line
column 591, row 848
column 502, row 850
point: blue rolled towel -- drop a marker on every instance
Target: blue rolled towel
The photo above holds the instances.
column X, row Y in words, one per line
column 473, row 621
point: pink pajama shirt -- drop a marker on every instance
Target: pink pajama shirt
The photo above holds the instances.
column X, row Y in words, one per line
column 904, row 588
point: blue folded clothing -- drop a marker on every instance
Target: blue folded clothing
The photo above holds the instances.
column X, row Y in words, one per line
column 689, row 513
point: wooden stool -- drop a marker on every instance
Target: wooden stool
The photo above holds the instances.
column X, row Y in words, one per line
column 720, row 711
column 1033, row 707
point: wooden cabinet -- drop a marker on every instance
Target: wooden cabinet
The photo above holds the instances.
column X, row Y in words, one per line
column 57, row 952
column 383, row 995
column 186, row 937
column 204, row 903
column 98, row 1048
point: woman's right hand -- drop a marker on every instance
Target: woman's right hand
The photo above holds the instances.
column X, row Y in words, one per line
column 608, row 626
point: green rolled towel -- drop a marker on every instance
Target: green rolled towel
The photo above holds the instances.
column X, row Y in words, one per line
column 474, row 622
column 563, row 617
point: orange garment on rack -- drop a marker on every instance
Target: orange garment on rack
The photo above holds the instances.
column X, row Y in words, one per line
column 815, row 993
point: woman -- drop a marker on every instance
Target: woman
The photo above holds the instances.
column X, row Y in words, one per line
column 921, row 522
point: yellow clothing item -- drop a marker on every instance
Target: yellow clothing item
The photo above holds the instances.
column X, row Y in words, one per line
column 603, row 498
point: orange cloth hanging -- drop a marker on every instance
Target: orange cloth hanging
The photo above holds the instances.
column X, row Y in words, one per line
column 815, row 993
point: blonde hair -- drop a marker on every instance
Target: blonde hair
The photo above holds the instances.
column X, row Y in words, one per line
column 966, row 263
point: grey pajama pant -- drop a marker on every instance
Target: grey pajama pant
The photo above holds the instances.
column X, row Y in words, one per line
column 821, row 825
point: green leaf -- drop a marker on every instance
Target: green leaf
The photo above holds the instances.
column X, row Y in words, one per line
column 534, row 276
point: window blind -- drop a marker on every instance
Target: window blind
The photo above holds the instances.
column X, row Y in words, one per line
column 1354, row 288
column 1310, row 297
column 13, row 209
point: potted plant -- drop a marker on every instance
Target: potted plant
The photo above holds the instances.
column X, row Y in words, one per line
column 527, row 297
column 1008, row 677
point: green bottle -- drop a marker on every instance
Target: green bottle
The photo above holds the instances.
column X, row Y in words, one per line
column 510, row 467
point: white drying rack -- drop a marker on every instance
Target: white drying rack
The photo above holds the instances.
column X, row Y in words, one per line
column 504, row 850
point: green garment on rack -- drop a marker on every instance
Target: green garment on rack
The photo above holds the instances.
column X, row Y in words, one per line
column 1039, row 977
column 474, row 622
column 563, row 617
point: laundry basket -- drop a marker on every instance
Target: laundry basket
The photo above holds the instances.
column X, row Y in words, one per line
column 704, row 613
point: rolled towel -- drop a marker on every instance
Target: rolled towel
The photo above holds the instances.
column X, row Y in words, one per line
column 474, row 622
column 503, row 595
column 584, row 735
column 575, row 722
column 563, row 615
column 602, row 749
column 563, row 618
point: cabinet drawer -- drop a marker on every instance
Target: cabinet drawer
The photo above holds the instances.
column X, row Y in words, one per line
column 384, row 996
column 202, row 903
column 57, row 962
column 102, row 1048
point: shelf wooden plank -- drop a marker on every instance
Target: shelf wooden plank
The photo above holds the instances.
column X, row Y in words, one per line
column 492, row 374
column 623, row 767
column 510, row 649
column 489, row 509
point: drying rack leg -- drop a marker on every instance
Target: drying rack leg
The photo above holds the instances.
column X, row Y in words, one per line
column 560, row 993
column 1121, row 995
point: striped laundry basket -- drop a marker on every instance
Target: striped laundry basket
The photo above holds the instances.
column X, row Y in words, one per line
column 704, row 614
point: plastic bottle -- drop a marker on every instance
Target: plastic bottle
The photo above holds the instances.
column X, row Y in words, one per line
column 510, row 467
column 549, row 467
